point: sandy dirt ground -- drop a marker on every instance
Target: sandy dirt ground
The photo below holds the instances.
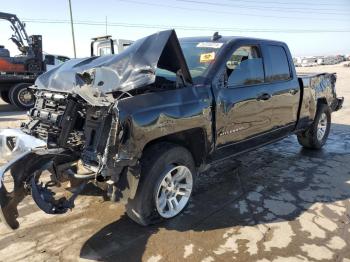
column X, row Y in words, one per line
column 277, row 203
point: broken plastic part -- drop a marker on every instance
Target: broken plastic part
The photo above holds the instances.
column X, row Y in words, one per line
column 21, row 168
column 44, row 198
column 10, row 200
column 14, row 142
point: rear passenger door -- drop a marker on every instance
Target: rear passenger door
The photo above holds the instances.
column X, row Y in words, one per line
column 282, row 86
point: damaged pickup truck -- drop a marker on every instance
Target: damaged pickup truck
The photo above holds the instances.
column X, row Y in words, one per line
column 142, row 124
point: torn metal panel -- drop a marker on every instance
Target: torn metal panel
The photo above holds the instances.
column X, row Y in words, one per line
column 135, row 67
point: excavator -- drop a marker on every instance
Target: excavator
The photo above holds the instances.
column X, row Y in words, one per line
column 19, row 72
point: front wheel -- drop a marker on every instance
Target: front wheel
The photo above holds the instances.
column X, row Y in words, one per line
column 167, row 180
column 316, row 136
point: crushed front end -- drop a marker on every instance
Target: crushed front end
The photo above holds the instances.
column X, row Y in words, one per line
column 66, row 143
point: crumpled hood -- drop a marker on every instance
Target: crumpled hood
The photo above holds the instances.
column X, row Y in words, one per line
column 133, row 68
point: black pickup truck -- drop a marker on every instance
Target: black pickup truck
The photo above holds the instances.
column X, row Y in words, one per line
column 144, row 123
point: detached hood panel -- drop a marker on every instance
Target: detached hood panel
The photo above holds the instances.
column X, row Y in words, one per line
column 133, row 68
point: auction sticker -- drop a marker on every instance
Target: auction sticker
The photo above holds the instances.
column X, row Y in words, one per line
column 207, row 57
column 209, row 45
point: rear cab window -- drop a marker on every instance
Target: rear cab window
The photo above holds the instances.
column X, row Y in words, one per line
column 278, row 67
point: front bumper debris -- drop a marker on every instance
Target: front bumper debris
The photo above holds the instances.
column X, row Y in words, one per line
column 16, row 148
column 13, row 142
column 10, row 200
column 28, row 159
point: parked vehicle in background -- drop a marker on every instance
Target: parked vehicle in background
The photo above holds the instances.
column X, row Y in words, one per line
column 330, row 60
column 318, row 60
column 141, row 125
column 52, row 61
column 308, row 61
column 105, row 45
column 17, row 73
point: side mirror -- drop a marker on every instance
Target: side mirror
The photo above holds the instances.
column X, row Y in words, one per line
column 231, row 64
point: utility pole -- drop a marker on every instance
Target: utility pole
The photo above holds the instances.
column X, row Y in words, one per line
column 106, row 25
column 72, row 27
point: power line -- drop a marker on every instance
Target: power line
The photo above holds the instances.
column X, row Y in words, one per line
column 182, row 27
column 228, row 12
column 271, row 9
column 287, row 3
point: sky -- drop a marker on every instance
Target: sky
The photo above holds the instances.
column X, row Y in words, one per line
column 308, row 27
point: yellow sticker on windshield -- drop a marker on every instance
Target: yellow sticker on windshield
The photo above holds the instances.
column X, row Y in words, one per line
column 207, row 57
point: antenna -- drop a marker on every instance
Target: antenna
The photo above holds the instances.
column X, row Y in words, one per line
column 216, row 36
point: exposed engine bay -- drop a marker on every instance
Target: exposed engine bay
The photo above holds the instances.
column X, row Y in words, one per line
column 74, row 131
column 74, row 150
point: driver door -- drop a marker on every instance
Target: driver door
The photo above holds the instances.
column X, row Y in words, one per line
column 242, row 110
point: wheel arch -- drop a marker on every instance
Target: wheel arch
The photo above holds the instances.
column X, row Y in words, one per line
column 194, row 140
column 321, row 101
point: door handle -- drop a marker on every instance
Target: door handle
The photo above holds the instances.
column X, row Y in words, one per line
column 264, row 97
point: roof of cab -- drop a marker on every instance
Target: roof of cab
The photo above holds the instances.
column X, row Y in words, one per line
column 226, row 39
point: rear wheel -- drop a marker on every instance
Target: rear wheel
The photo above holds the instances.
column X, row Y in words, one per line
column 316, row 136
column 167, row 180
column 5, row 96
column 21, row 96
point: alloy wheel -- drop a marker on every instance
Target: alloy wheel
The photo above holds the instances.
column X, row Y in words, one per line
column 174, row 191
column 322, row 127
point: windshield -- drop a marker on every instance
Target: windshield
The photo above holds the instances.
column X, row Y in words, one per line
column 198, row 55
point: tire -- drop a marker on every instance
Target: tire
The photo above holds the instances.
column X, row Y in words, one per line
column 21, row 97
column 316, row 136
column 5, row 96
column 158, row 164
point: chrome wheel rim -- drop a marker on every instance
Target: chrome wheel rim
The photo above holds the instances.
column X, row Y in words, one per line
column 25, row 97
column 174, row 191
column 322, row 127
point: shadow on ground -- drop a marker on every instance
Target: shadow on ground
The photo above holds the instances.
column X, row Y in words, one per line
column 277, row 183
column 10, row 109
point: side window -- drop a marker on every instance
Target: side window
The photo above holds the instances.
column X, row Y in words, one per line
column 245, row 67
column 63, row 59
column 104, row 50
column 279, row 67
column 49, row 60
